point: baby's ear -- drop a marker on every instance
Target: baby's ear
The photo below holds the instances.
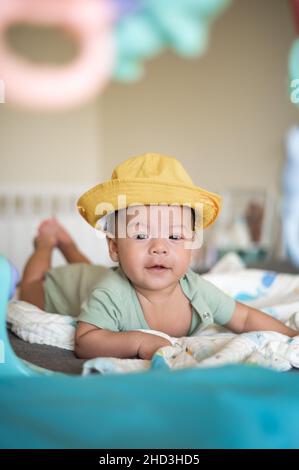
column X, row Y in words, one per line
column 112, row 247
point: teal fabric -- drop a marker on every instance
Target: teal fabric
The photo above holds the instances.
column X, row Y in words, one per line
column 229, row 407
column 10, row 364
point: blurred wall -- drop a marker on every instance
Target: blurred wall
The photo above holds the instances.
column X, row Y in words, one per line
column 224, row 115
column 58, row 147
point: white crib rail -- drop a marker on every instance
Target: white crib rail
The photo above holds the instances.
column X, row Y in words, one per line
column 23, row 207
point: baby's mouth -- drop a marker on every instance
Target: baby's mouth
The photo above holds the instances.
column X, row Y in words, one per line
column 157, row 267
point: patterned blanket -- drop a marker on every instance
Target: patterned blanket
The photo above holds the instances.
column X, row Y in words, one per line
column 274, row 293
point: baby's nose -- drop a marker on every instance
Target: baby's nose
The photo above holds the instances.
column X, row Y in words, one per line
column 158, row 247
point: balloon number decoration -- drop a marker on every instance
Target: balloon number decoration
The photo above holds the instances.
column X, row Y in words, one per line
column 294, row 58
column 115, row 38
column 290, row 218
column 89, row 22
column 290, row 213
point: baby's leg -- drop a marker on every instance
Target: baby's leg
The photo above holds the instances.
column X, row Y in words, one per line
column 32, row 283
column 50, row 235
column 65, row 242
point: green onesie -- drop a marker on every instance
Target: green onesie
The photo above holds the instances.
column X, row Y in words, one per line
column 106, row 298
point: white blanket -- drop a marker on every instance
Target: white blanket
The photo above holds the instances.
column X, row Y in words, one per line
column 36, row 326
column 275, row 294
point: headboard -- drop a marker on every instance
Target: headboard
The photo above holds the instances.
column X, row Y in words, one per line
column 23, row 207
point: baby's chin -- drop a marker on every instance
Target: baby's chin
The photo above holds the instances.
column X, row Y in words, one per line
column 155, row 280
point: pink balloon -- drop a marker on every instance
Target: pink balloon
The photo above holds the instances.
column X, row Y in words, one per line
column 51, row 87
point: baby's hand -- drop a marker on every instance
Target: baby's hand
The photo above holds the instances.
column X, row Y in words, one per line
column 150, row 344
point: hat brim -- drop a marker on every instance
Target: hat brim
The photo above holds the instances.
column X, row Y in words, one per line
column 118, row 194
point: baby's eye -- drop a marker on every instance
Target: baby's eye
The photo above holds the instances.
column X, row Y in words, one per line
column 140, row 236
column 175, row 236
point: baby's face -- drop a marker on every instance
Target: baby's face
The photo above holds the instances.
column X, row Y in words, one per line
column 153, row 244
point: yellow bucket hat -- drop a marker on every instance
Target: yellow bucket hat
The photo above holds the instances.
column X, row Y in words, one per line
column 144, row 180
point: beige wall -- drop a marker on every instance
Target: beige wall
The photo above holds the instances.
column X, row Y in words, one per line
column 50, row 147
column 224, row 115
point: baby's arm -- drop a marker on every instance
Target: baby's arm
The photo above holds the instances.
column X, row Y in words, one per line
column 246, row 318
column 91, row 341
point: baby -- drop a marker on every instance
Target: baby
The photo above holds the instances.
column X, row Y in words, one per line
column 153, row 217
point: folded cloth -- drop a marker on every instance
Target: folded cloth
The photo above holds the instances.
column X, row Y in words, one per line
column 34, row 325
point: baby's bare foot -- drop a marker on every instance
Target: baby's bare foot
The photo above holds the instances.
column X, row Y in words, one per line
column 63, row 237
column 48, row 227
column 52, row 226
column 48, row 241
column 46, row 235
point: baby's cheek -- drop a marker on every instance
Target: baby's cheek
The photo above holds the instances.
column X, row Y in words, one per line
column 184, row 259
column 131, row 261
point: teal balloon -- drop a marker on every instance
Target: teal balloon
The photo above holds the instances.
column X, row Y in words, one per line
column 138, row 37
column 187, row 37
column 181, row 25
column 194, row 42
column 294, row 72
column 206, row 8
column 129, row 70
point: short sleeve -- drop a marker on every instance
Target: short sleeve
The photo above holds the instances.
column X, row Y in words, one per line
column 222, row 305
column 100, row 310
